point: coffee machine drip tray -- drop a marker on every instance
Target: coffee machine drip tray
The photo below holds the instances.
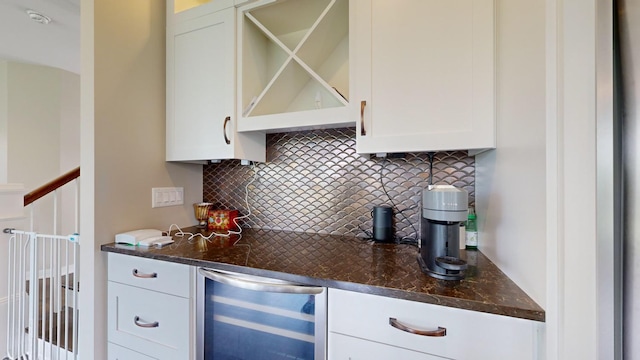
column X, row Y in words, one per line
column 454, row 268
column 451, row 263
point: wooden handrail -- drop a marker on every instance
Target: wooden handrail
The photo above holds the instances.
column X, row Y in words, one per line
column 51, row 186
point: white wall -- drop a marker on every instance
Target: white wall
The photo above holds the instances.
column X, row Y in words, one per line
column 572, row 217
column 34, row 124
column 4, row 145
column 538, row 188
column 510, row 180
column 37, row 116
column 631, row 68
column 42, row 130
column 123, row 144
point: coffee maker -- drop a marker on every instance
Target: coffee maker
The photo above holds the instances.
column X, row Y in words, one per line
column 444, row 207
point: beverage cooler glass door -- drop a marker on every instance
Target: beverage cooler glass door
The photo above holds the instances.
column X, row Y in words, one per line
column 243, row 317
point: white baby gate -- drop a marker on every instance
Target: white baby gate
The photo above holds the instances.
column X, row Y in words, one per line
column 42, row 321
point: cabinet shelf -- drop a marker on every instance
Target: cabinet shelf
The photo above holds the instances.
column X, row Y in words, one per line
column 294, row 61
column 290, row 30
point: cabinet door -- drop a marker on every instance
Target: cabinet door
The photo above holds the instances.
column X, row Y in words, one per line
column 461, row 334
column 200, row 92
column 342, row 347
column 116, row 352
column 423, row 75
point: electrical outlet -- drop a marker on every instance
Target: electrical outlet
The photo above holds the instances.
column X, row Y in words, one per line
column 167, row 196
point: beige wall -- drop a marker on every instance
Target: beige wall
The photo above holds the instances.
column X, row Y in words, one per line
column 510, row 180
column 123, row 144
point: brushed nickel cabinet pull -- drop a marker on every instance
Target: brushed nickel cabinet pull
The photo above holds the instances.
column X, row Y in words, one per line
column 144, row 276
column 436, row 333
column 154, row 324
column 224, row 130
column 363, row 131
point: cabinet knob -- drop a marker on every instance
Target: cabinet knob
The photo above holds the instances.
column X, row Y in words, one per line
column 224, row 130
column 436, row 333
column 363, row 131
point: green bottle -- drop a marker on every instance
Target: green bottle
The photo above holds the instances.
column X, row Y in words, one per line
column 471, row 238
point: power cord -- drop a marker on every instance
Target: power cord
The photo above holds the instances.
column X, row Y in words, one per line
column 235, row 220
column 430, row 155
column 405, row 239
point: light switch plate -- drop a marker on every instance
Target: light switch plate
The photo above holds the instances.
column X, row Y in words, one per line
column 167, row 196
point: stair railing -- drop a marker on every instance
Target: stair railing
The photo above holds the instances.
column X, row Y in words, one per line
column 43, row 284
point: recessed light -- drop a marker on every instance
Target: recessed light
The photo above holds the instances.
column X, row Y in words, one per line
column 38, row 17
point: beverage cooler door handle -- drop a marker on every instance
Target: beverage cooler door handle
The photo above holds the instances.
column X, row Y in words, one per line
column 398, row 325
column 258, row 285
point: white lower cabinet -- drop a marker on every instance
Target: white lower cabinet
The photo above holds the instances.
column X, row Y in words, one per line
column 121, row 353
column 360, row 327
column 343, row 347
column 151, row 309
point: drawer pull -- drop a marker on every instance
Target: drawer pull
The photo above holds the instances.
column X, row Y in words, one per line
column 398, row 325
column 144, row 276
column 136, row 320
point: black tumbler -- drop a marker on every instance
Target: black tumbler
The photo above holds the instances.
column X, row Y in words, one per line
column 383, row 223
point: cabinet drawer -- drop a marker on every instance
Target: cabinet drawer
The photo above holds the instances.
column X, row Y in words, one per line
column 167, row 277
column 469, row 334
column 149, row 322
column 116, row 352
column 342, row 347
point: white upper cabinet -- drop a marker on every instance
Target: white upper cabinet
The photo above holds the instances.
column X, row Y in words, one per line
column 422, row 75
column 293, row 59
column 201, row 118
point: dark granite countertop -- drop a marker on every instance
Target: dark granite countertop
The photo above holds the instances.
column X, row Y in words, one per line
column 348, row 263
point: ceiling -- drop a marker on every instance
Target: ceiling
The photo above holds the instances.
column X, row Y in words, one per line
column 24, row 40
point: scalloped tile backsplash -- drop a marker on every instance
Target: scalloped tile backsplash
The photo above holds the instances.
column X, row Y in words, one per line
column 314, row 181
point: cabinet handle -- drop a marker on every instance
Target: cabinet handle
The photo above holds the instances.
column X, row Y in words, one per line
column 363, row 131
column 144, row 276
column 154, row 324
column 257, row 284
column 224, row 130
column 398, row 325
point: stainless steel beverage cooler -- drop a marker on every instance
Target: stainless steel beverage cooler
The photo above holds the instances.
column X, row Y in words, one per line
column 244, row 317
